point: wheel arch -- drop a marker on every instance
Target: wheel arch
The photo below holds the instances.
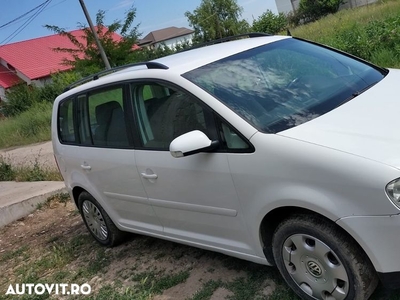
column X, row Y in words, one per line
column 76, row 191
column 273, row 218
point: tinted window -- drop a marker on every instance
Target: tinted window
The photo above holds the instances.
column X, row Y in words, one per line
column 106, row 118
column 66, row 122
column 284, row 84
column 164, row 113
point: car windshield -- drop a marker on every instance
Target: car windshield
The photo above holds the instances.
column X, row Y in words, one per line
column 286, row 83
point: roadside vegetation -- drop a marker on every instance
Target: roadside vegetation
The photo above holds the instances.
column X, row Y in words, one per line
column 370, row 32
column 27, row 172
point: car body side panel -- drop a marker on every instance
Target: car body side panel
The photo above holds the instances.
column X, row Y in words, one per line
column 379, row 236
column 195, row 199
column 290, row 173
column 114, row 182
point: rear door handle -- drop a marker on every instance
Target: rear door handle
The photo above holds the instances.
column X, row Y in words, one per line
column 149, row 176
column 86, row 167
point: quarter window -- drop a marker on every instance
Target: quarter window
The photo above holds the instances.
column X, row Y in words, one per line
column 66, row 122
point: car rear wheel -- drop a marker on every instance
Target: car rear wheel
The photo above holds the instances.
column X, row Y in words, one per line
column 97, row 221
column 319, row 261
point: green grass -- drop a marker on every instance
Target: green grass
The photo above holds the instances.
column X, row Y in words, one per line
column 370, row 32
column 29, row 127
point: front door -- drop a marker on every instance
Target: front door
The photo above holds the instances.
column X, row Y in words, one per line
column 194, row 197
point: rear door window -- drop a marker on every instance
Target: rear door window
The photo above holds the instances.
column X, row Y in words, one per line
column 106, row 118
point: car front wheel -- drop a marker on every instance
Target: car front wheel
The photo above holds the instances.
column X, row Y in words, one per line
column 319, row 261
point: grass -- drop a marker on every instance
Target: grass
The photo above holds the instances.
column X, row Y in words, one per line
column 370, row 32
column 33, row 172
column 29, row 127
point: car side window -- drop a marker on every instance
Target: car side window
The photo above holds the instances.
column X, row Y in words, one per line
column 66, row 122
column 101, row 119
column 232, row 138
column 164, row 113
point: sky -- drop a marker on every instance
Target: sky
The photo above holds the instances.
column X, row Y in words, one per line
column 151, row 14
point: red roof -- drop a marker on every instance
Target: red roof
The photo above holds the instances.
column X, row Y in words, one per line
column 36, row 58
column 7, row 78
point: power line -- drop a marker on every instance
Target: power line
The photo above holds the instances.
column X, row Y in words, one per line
column 21, row 16
column 26, row 23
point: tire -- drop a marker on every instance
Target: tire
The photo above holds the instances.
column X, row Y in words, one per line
column 97, row 221
column 319, row 261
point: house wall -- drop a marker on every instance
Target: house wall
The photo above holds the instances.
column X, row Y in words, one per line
column 287, row 6
column 172, row 43
column 284, row 6
column 2, row 94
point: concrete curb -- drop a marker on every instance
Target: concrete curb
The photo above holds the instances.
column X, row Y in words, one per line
column 16, row 208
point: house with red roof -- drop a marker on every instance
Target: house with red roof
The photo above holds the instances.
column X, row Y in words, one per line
column 33, row 61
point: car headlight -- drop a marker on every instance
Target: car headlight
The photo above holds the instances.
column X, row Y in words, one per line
column 393, row 191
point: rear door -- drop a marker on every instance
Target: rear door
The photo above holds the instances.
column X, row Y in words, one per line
column 103, row 161
column 194, row 196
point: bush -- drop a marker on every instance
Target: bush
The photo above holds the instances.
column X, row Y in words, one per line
column 312, row 10
column 21, row 97
column 6, row 171
column 378, row 40
column 270, row 23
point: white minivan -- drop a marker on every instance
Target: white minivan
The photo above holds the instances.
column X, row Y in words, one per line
column 271, row 149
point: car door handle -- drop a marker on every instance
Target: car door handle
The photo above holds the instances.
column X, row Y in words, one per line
column 86, row 167
column 149, row 176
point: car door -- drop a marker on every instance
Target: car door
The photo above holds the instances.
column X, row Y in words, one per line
column 105, row 159
column 194, row 197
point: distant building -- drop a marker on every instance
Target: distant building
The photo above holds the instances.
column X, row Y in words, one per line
column 287, row 6
column 170, row 37
column 33, row 61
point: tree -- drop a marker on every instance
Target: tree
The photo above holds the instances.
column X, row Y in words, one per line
column 312, row 10
column 86, row 57
column 270, row 23
column 215, row 19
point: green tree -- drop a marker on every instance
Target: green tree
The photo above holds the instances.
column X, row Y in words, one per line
column 215, row 19
column 270, row 23
column 312, row 10
column 86, row 58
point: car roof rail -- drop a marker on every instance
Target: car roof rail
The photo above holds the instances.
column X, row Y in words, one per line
column 148, row 64
column 228, row 38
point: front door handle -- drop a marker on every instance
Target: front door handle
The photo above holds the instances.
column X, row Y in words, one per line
column 86, row 167
column 149, row 176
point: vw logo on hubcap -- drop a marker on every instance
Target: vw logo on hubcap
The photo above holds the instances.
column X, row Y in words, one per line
column 314, row 269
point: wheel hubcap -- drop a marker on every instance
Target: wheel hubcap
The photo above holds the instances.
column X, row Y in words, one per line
column 94, row 220
column 315, row 267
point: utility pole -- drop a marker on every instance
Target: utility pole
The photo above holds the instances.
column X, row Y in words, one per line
column 96, row 38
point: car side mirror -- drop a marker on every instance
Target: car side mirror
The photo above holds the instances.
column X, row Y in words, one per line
column 191, row 143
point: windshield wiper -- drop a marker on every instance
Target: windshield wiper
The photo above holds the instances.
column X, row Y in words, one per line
column 358, row 93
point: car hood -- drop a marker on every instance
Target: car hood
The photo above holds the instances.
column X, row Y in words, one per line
column 367, row 126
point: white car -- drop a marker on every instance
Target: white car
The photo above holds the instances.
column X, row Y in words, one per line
column 270, row 149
